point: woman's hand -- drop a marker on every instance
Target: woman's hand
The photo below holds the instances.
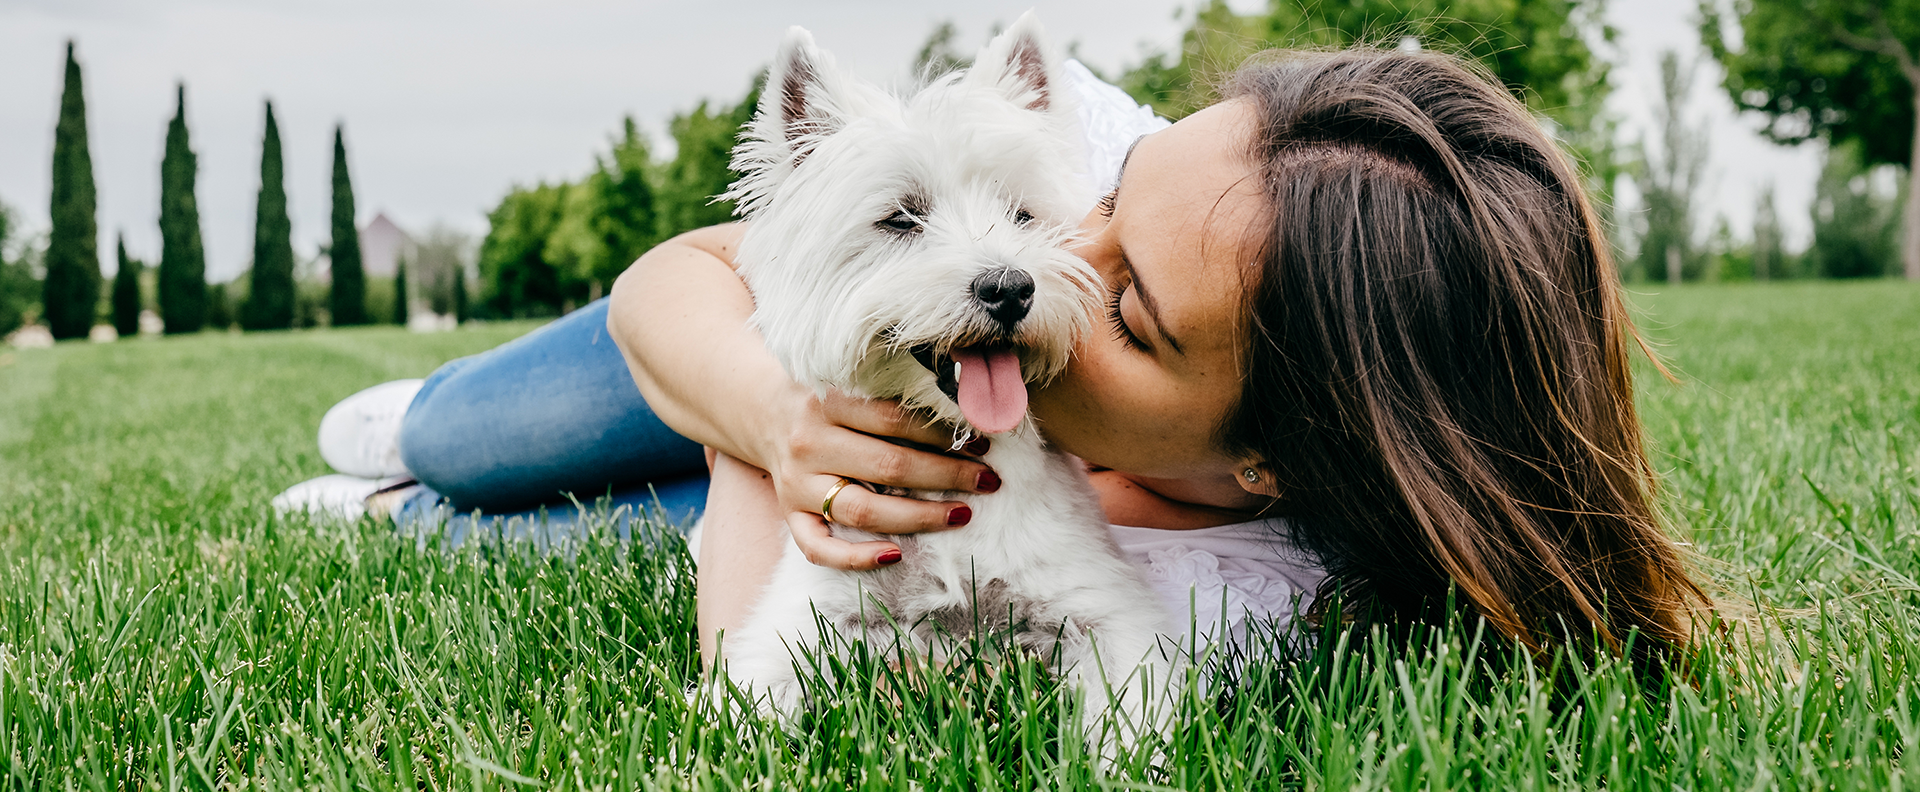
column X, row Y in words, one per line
column 706, row 372
column 843, row 436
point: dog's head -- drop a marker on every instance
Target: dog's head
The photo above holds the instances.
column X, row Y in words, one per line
column 915, row 247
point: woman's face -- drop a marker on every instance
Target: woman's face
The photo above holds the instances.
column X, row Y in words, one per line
column 1148, row 389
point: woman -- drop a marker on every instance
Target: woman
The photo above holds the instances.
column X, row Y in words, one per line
column 1365, row 292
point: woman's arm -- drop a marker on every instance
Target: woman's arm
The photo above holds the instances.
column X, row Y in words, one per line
column 679, row 315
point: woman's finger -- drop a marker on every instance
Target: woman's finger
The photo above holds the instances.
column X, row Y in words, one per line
column 877, row 461
column 886, row 418
column 855, row 506
column 822, row 548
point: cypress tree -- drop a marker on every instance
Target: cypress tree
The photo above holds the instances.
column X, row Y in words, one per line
column 270, row 294
column 349, row 304
column 126, row 293
column 71, row 292
column 400, row 293
column 183, row 263
column 459, row 294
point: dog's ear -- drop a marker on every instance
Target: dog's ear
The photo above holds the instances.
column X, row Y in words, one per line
column 1021, row 65
column 803, row 98
column 803, row 102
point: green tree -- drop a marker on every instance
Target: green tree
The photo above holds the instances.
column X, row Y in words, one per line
column 460, row 307
column 19, row 282
column 270, row 293
column 183, row 263
column 126, row 292
column 1841, row 70
column 400, row 297
column 71, row 291
column 704, row 139
column 518, row 280
column 348, row 304
column 1855, row 229
column 1542, row 50
column 1669, row 179
column 625, row 184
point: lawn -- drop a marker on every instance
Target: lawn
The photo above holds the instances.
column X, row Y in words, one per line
column 161, row 628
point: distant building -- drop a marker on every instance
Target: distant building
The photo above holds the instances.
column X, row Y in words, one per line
column 382, row 245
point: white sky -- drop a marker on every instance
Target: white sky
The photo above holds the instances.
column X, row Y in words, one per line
column 448, row 103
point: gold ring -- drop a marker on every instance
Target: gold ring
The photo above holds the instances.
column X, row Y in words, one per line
column 826, row 506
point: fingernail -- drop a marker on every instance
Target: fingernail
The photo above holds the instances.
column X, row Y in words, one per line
column 978, row 446
column 960, row 515
column 989, row 481
column 888, row 558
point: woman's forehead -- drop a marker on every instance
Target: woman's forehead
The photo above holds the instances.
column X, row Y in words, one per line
column 1194, row 205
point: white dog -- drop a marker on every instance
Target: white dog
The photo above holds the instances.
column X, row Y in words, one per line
column 914, row 248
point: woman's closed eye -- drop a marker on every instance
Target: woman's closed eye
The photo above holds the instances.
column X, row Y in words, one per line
column 1121, row 331
column 1108, row 202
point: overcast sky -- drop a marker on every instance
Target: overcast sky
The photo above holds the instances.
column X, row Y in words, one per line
column 448, row 103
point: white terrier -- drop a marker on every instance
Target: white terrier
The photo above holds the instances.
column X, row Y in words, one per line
column 915, row 248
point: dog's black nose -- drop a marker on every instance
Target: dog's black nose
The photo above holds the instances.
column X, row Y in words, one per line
column 1006, row 294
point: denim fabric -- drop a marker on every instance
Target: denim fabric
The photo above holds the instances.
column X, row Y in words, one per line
column 533, row 425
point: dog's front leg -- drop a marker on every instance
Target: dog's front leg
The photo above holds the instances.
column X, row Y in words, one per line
column 1128, row 681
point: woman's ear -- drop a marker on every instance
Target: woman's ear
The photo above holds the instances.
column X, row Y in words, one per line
column 1256, row 478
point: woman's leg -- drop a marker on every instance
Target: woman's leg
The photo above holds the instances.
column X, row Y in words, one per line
column 669, row 504
column 550, row 415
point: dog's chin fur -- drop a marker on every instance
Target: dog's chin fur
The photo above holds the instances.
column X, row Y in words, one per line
column 983, row 164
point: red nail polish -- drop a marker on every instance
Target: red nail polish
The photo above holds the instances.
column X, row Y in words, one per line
column 961, row 515
column 978, row 446
column 989, row 481
column 888, row 558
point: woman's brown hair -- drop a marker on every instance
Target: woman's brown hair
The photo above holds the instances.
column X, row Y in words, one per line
column 1438, row 369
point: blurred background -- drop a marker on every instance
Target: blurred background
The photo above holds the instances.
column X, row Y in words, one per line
column 177, row 165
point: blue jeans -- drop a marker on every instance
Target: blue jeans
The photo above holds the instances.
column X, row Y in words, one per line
column 531, row 428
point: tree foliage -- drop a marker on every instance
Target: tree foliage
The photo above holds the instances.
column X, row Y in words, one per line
column 183, row 263
column 20, row 260
column 270, row 293
column 553, row 247
column 126, row 292
column 347, row 303
column 71, row 291
column 1855, row 227
column 402, row 299
column 1841, row 70
column 1542, row 50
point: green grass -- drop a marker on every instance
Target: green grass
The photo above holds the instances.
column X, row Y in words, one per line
column 160, row 627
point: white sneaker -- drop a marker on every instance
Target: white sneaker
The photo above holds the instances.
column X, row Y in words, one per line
column 360, row 436
column 335, row 496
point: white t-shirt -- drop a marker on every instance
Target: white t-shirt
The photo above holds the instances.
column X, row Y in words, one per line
column 1111, row 120
column 1222, row 577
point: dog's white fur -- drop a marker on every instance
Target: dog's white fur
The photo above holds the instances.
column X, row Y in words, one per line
column 841, row 301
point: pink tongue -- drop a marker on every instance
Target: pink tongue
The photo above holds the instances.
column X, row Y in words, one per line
column 992, row 396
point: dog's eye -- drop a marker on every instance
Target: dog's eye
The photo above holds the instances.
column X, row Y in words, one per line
column 900, row 222
column 1022, row 218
